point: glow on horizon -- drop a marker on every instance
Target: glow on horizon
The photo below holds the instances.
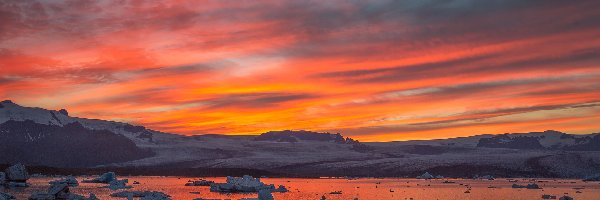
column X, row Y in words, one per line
column 372, row 70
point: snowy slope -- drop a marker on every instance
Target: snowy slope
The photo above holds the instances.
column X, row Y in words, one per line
column 11, row 111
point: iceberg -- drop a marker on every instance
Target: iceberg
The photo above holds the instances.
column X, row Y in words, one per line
column 200, row 182
column 426, row 175
column 15, row 176
column 528, row 186
column 118, row 184
column 244, row 184
column 69, row 180
column 60, row 191
column 104, row 178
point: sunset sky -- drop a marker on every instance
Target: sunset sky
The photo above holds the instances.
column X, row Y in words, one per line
column 372, row 70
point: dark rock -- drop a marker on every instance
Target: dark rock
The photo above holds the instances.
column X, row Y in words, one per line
column 533, row 186
column 339, row 138
column 294, row 136
column 360, row 147
column 64, row 112
column 528, row 186
column 547, row 196
column 6, row 196
column 199, row 183
column 595, row 177
column 566, row 198
column 133, row 129
column 146, row 135
column 486, row 177
column 17, row 173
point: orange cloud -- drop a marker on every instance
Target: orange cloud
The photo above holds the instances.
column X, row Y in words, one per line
column 376, row 71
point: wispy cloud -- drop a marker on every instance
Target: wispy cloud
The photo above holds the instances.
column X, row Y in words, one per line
column 379, row 70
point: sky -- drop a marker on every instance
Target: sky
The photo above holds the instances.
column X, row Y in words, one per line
column 372, row 70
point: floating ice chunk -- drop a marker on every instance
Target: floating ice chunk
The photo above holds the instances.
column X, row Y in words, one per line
column 528, row 186
column 199, row 183
column 146, row 195
column 60, row 191
column 118, row 184
column 17, row 173
column 69, row 180
column 104, row 178
column 426, row 175
column 244, row 184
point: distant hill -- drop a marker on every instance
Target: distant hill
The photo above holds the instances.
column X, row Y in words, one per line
column 302, row 135
column 295, row 136
column 543, row 140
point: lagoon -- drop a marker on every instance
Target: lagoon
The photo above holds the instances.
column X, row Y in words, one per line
column 361, row 188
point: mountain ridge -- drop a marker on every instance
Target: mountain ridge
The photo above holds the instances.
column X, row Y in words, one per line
column 301, row 153
column 58, row 116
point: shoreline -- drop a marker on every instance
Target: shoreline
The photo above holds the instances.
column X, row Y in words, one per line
column 238, row 172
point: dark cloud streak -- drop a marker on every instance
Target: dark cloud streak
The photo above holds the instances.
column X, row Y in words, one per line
column 584, row 58
column 255, row 100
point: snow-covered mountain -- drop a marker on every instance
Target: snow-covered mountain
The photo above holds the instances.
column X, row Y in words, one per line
column 9, row 111
column 53, row 138
column 37, row 136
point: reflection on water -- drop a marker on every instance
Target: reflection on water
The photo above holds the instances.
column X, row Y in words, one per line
column 362, row 189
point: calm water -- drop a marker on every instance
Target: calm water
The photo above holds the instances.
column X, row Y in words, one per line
column 360, row 188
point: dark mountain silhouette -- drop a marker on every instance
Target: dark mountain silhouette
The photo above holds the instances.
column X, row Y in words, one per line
column 295, row 136
column 71, row 145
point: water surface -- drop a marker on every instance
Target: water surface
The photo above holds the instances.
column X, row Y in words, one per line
column 366, row 188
